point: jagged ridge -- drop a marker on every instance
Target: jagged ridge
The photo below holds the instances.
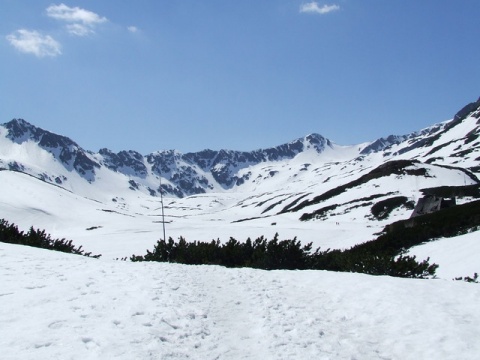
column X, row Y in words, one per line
column 185, row 174
column 210, row 170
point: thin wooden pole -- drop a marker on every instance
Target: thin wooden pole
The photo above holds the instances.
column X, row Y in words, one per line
column 163, row 211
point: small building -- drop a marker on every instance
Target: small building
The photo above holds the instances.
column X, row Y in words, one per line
column 431, row 203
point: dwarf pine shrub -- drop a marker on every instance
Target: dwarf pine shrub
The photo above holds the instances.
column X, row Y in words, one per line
column 9, row 233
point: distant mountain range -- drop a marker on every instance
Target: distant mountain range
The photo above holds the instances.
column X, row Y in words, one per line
column 451, row 143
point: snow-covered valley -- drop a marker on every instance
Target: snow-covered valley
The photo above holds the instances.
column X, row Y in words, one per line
column 68, row 307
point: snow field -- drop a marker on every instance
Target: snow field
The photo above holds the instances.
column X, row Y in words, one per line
column 115, row 233
column 59, row 306
column 458, row 256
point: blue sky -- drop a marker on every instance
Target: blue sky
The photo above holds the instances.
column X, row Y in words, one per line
column 151, row 75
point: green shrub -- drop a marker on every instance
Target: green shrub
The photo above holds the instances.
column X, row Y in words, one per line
column 382, row 256
column 473, row 279
column 285, row 254
column 382, row 209
column 263, row 254
column 9, row 233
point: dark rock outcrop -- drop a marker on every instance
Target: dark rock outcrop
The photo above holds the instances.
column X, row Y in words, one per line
column 72, row 156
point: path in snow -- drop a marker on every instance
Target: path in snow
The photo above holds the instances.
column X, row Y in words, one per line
column 59, row 306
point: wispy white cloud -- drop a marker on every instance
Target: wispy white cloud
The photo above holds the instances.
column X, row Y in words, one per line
column 133, row 29
column 32, row 42
column 81, row 22
column 314, row 8
column 79, row 29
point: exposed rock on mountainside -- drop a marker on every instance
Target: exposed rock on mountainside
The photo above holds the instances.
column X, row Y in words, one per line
column 467, row 110
column 454, row 143
column 63, row 149
column 129, row 162
column 185, row 174
column 382, row 144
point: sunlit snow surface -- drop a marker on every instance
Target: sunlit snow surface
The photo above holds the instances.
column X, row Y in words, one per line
column 108, row 216
column 59, row 306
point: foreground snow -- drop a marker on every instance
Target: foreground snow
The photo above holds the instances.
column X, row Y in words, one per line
column 59, row 306
column 458, row 255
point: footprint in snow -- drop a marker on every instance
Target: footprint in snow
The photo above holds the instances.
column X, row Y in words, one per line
column 47, row 344
column 35, row 287
column 56, row 324
column 89, row 343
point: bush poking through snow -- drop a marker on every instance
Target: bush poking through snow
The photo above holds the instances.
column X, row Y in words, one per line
column 278, row 254
column 382, row 209
column 9, row 233
column 261, row 253
column 469, row 279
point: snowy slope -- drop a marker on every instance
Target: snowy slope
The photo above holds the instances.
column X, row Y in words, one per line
column 116, row 231
column 58, row 306
column 458, row 256
column 110, row 203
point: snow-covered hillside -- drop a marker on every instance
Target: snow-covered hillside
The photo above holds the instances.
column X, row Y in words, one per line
column 58, row 306
column 59, row 160
column 310, row 188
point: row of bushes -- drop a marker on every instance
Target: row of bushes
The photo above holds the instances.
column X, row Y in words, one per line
column 260, row 253
column 284, row 254
column 404, row 234
column 382, row 256
column 9, row 233
column 263, row 254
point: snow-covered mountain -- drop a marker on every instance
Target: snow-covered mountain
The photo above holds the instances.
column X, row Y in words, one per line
column 305, row 188
column 212, row 171
column 311, row 188
column 182, row 174
column 448, row 143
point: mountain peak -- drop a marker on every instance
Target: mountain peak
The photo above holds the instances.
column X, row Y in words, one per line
column 20, row 130
column 210, row 170
column 318, row 141
column 62, row 148
column 467, row 110
column 17, row 122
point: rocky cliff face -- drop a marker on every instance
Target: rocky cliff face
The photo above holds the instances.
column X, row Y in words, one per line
column 63, row 149
column 127, row 162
